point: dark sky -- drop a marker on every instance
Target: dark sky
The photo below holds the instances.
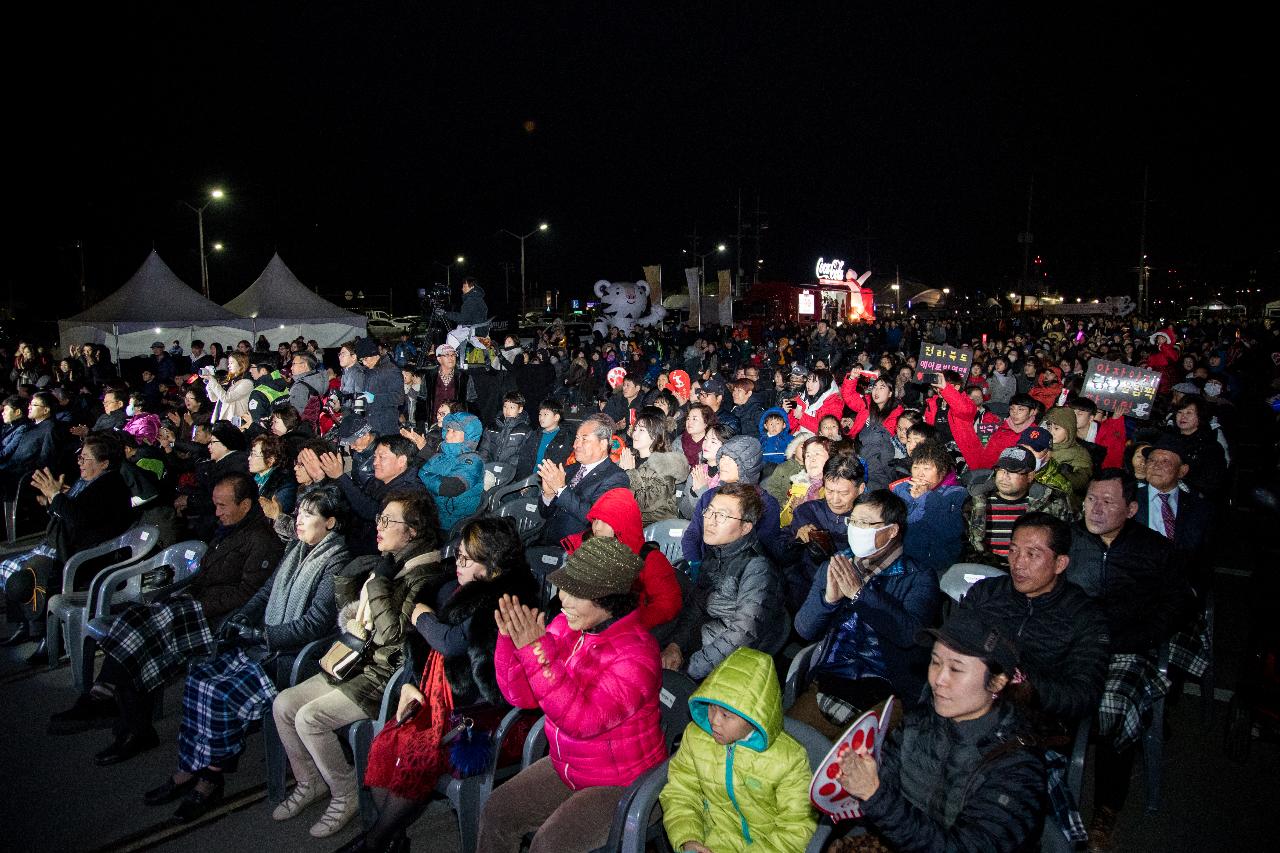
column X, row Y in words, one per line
column 364, row 141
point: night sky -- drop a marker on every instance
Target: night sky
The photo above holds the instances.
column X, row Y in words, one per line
column 365, row 141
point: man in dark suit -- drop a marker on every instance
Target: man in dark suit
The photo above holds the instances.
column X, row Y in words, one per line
column 1170, row 508
column 569, row 493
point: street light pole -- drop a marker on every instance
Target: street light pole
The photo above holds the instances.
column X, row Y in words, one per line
column 215, row 194
column 448, row 270
column 542, row 226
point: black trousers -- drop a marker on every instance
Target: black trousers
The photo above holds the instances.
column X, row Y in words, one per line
column 27, row 592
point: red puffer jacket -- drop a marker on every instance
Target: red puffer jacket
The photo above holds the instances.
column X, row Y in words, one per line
column 599, row 693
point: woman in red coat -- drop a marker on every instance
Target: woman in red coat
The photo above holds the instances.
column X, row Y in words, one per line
column 819, row 399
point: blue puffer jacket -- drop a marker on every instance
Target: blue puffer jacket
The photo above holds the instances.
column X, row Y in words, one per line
column 935, row 524
column 455, row 475
column 874, row 635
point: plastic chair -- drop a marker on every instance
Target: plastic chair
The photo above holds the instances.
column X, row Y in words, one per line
column 956, row 580
column 500, row 494
column 1051, row 838
column 467, row 796
column 543, row 560
column 184, row 558
column 23, row 497
column 527, row 516
column 816, row 745
column 667, row 535
column 360, row 736
column 70, row 608
column 797, row 680
column 503, row 473
column 305, row 664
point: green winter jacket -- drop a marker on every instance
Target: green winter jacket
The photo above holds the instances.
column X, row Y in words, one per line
column 752, row 795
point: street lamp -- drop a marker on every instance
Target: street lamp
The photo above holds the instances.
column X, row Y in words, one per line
column 215, row 194
column 897, row 298
column 542, row 226
column 448, row 269
column 702, row 263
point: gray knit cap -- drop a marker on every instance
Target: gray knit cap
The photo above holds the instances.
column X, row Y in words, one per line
column 744, row 450
column 600, row 567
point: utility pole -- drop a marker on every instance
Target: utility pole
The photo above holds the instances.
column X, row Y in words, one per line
column 737, row 249
column 759, row 226
column 867, row 239
column 1142, row 249
column 1025, row 239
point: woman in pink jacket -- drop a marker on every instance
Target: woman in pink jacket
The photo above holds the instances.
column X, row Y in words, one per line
column 595, row 672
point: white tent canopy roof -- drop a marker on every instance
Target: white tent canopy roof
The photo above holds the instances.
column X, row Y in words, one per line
column 281, row 307
column 278, row 297
column 154, row 296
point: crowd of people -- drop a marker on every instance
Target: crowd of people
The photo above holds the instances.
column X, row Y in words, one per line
column 829, row 494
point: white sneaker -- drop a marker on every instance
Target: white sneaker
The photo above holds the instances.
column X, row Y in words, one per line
column 302, row 795
column 340, row 812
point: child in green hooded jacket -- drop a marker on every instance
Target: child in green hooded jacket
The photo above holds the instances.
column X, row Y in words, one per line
column 738, row 781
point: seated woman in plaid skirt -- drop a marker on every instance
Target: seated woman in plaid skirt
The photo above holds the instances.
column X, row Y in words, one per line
column 226, row 693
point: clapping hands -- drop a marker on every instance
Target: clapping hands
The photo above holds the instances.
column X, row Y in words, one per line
column 524, row 625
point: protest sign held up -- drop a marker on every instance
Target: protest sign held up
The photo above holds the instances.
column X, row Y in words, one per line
column 935, row 358
column 1121, row 389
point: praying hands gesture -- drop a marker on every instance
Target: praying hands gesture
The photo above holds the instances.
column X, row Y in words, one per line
column 627, row 459
column 331, row 465
column 699, row 479
column 553, row 478
column 311, row 462
column 842, row 581
column 523, row 625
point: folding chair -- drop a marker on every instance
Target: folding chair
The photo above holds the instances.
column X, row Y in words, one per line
column 503, row 473
column 956, row 580
column 816, row 746
column 798, row 674
column 70, row 608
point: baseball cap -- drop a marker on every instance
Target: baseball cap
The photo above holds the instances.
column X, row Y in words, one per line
column 1186, row 388
column 1036, row 438
column 713, row 386
column 1017, row 460
column 351, row 430
column 972, row 632
column 445, row 349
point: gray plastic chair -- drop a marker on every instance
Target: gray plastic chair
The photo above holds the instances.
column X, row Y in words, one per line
column 816, row 745
column 184, row 558
column 798, row 675
column 528, row 518
column 1051, row 838
column 503, row 473
column 667, row 535
column 956, row 580
column 499, row 495
column 70, row 607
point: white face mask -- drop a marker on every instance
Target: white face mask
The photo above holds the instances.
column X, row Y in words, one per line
column 128, row 410
column 863, row 540
column 1212, row 389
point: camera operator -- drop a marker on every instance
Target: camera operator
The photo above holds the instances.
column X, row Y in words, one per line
column 472, row 317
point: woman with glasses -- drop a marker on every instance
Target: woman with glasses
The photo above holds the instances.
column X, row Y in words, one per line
column 375, row 595
column 653, row 468
column 452, row 650
column 268, row 463
column 90, row 511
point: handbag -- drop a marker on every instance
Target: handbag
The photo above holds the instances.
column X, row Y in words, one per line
column 345, row 658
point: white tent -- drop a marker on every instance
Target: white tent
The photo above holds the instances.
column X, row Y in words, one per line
column 153, row 305
column 281, row 307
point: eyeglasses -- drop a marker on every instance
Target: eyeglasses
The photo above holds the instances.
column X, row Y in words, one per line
column 464, row 560
column 863, row 524
column 719, row 516
column 387, row 521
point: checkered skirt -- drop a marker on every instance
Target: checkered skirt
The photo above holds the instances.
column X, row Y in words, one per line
column 222, row 698
column 154, row 641
column 11, row 565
